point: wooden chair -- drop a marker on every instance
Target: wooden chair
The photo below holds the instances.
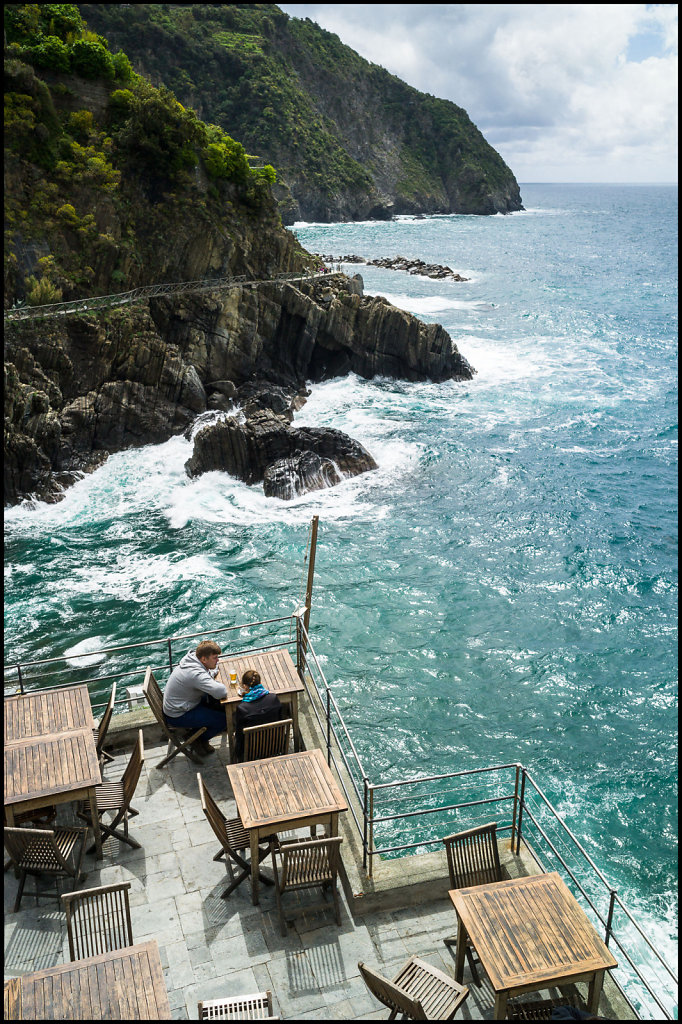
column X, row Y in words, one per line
column 117, row 797
column 269, row 740
column 537, row 1009
column 473, row 859
column 253, row 1007
column 98, row 920
column 178, row 740
column 418, row 991
column 103, row 728
column 233, row 839
column 39, row 851
column 306, row 864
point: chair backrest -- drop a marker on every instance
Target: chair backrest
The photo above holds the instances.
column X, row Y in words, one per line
column 252, row 1007
column 98, row 920
column 309, row 863
column 103, row 726
column 35, row 848
column 391, row 995
column 269, row 740
column 473, row 857
column 152, row 692
column 131, row 775
column 213, row 813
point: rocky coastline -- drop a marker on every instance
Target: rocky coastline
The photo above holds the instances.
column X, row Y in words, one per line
column 404, row 263
column 80, row 387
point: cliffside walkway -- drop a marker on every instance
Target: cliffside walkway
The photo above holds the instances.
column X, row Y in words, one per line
column 97, row 302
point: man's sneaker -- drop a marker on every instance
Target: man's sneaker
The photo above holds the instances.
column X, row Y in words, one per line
column 204, row 746
column 198, row 751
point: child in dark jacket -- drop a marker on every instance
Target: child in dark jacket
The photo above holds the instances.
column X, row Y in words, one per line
column 257, row 707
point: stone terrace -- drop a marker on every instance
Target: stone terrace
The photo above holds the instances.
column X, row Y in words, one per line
column 212, row 947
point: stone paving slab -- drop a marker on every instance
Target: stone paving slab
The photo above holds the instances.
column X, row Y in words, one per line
column 211, row 947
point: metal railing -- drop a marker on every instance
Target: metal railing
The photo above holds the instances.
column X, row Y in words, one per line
column 97, row 302
column 510, row 787
column 428, row 806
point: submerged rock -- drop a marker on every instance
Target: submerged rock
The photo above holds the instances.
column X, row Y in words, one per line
column 288, row 461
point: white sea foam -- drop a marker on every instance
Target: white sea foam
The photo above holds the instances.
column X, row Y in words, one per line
column 428, row 304
column 79, row 655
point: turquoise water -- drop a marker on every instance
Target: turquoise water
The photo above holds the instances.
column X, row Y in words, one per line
column 504, row 587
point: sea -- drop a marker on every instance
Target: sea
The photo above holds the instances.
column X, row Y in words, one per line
column 503, row 588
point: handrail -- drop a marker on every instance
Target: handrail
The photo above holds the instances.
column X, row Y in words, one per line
column 332, row 725
column 94, row 302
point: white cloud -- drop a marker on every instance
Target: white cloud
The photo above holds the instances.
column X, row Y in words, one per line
column 565, row 92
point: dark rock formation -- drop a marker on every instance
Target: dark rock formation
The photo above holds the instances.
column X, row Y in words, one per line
column 411, row 266
column 80, row 387
column 291, row 461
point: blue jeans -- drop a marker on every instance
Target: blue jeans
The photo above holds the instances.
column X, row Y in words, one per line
column 200, row 715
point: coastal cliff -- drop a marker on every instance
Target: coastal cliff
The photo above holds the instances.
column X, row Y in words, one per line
column 79, row 387
column 349, row 140
column 111, row 184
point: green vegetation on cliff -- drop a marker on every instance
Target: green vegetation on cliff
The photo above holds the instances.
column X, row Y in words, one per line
column 349, row 139
column 110, row 183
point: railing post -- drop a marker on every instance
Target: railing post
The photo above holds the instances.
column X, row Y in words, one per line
column 329, row 730
column 299, row 647
column 609, row 919
column 371, row 830
column 364, row 822
column 516, row 806
column 523, row 790
column 21, row 681
column 170, row 655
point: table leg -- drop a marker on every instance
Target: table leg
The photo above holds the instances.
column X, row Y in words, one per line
column 253, row 835
column 229, row 720
column 92, row 799
column 9, row 815
column 500, row 1011
column 294, row 718
column 461, row 950
column 594, row 992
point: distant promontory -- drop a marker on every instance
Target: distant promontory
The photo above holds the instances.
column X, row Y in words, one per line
column 349, row 140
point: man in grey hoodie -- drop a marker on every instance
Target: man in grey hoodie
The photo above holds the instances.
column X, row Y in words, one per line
column 189, row 700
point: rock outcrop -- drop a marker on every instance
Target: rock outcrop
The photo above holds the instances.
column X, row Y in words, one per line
column 79, row 387
column 289, row 461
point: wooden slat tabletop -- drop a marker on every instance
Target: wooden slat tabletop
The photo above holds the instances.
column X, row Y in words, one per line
column 49, row 765
column 530, row 930
column 280, row 789
column 276, row 668
column 13, row 999
column 64, row 709
column 126, row 984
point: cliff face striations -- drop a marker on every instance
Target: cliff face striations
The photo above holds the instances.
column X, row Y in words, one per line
column 349, row 140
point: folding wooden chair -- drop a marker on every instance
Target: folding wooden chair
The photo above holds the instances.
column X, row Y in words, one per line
column 418, row 991
column 117, row 797
column 103, row 728
column 269, row 740
column 473, row 859
column 233, row 839
column 253, row 1007
column 306, row 864
column 98, row 920
column 178, row 740
column 38, row 851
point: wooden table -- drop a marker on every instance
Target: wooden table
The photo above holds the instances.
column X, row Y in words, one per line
column 280, row 793
column 63, row 709
column 126, row 984
column 50, row 753
column 530, row 933
column 277, row 674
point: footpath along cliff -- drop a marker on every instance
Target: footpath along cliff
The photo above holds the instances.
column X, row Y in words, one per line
column 111, row 185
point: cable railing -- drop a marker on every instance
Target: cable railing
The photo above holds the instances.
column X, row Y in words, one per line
column 404, row 815
column 96, row 302
column 427, row 825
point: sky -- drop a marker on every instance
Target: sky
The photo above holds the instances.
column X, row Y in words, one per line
column 563, row 92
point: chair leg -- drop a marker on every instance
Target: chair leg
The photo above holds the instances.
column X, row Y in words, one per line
column 472, row 965
column 181, row 745
column 22, row 883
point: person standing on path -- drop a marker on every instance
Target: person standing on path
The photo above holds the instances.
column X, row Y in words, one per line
column 192, row 692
